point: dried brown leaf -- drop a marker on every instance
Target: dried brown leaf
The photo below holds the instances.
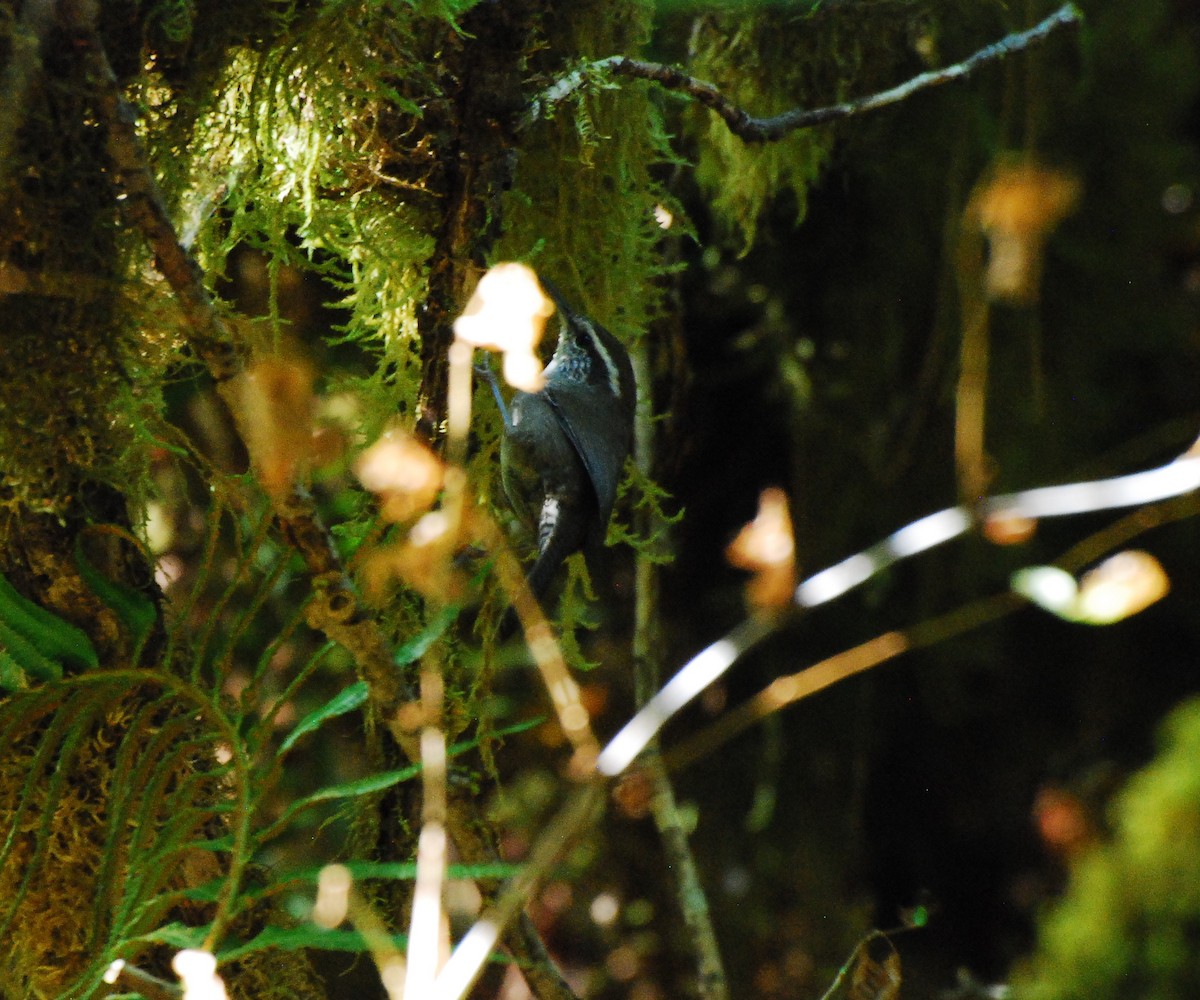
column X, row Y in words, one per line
column 875, row 978
column 276, row 402
column 766, row 547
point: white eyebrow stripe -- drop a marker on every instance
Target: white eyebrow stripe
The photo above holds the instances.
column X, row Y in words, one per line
column 614, row 373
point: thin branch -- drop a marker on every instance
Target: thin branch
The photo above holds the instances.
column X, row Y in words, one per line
column 542, row 975
column 752, row 129
column 711, row 980
column 787, row 690
column 791, row 688
column 337, row 610
column 143, row 206
column 1175, row 479
column 523, row 940
column 577, row 815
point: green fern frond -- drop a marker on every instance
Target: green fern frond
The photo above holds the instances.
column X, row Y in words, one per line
column 37, row 640
column 104, row 789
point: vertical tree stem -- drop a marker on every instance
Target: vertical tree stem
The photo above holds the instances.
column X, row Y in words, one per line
column 689, row 892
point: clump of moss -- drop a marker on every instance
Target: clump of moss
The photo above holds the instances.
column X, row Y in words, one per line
column 783, row 57
column 596, row 237
column 1129, row 925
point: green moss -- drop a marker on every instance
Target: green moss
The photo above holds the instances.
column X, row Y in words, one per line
column 1129, row 926
column 582, row 205
column 777, row 58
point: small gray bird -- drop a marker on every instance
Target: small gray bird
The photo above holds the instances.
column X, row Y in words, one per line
column 565, row 446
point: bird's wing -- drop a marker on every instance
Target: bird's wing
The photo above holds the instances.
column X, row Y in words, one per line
column 603, row 453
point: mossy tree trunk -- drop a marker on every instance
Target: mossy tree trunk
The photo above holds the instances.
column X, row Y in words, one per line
column 91, row 338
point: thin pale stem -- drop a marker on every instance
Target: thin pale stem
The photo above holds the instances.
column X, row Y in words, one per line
column 711, row 981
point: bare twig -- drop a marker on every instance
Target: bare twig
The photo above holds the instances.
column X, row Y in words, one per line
column 752, row 129
column 787, row 690
column 1175, row 479
column 337, row 610
column 575, row 817
column 791, row 688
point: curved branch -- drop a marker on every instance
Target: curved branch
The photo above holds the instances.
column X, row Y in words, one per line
column 337, row 611
column 1175, row 479
column 749, row 128
column 142, row 204
column 791, row 688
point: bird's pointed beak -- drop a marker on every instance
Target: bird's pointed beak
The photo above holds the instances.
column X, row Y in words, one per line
column 560, row 303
